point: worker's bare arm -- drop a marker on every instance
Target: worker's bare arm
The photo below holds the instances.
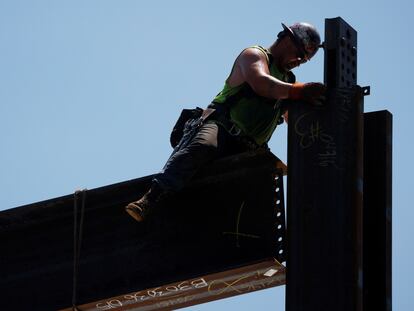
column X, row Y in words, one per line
column 253, row 68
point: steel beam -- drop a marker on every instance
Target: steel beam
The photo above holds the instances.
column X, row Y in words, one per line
column 265, row 274
column 232, row 215
column 325, row 184
column 377, row 211
column 340, row 54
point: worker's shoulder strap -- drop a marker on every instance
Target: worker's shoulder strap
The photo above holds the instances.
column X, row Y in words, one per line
column 246, row 91
column 291, row 78
column 266, row 52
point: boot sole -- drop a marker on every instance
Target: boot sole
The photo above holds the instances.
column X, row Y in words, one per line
column 131, row 209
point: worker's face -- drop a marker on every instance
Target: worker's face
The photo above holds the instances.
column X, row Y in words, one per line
column 293, row 57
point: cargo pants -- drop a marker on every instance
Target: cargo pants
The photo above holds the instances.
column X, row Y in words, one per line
column 209, row 142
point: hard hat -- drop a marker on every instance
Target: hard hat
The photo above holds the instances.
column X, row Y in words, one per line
column 305, row 37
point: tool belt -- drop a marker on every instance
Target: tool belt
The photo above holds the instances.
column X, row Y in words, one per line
column 191, row 119
column 221, row 117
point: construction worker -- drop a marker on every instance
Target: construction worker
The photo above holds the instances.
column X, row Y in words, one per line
column 244, row 115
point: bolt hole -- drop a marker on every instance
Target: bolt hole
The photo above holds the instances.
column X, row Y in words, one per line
column 353, row 50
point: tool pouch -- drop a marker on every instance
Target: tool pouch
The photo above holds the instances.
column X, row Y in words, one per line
column 178, row 129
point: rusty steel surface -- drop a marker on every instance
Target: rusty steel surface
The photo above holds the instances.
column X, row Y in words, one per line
column 266, row 274
column 231, row 215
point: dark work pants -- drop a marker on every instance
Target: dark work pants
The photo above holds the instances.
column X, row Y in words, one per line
column 210, row 142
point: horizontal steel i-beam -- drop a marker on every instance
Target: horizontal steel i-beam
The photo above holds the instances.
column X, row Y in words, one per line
column 266, row 274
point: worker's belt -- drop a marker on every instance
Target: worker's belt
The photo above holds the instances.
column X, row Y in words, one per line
column 187, row 125
column 227, row 124
column 191, row 120
column 221, row 117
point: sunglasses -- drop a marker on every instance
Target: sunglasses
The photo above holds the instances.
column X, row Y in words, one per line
column 301, row 53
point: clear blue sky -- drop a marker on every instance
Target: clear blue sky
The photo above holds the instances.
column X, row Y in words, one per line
column 89, row 90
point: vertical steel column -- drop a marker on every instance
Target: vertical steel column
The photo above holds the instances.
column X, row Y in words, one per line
column 340, row 54
column 325, row 183
column 377, row 210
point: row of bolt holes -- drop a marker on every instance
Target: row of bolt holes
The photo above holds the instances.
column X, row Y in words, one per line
column 279, row 214
column 353, row 51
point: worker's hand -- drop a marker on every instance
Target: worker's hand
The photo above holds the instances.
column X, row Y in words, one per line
column 312, row 92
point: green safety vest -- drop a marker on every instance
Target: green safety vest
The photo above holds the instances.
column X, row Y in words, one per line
column 255, row 115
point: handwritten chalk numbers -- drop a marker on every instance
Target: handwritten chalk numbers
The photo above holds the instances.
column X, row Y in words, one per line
column 313, row 133
column 112, row 304
column 171, row 290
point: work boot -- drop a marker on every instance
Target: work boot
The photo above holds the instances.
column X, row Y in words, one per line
column 140, row 209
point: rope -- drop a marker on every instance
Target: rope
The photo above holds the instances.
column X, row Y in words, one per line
column 77, row 242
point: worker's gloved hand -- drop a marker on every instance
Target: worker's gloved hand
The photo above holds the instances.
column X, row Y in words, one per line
column 312, row 92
